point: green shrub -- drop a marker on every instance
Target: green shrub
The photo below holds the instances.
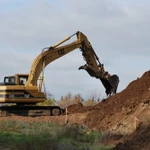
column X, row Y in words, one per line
column 45, row 136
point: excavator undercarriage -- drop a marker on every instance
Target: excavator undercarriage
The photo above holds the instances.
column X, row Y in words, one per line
column 26, row 110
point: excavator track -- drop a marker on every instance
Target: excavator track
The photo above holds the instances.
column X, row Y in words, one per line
column 23, row 110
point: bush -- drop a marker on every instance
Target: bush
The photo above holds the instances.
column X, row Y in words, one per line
column 45, row 136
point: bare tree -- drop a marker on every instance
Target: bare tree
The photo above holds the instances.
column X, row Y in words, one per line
column 89, row 102
column 65, row 100
column 77, row 99
column 95, row 96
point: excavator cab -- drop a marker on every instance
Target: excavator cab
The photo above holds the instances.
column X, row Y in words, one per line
column 18, row 79
column 14, row 90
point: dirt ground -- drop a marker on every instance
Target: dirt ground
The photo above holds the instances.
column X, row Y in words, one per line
column 126, row 114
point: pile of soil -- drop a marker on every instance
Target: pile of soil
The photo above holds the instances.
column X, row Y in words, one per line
column 136, row 93
column 126, row 113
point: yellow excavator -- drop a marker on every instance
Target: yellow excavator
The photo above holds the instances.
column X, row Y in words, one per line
column 27, row 88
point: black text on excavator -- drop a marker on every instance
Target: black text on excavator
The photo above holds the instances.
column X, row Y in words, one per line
column 26, row 88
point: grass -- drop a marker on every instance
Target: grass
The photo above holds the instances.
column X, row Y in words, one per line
column 17, row 135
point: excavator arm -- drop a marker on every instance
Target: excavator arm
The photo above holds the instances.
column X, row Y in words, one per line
column 96, row 69
column 92, row 66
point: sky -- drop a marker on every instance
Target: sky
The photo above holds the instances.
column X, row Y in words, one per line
column 119, row 32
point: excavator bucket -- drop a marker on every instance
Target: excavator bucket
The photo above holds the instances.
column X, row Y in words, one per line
column 110, row 84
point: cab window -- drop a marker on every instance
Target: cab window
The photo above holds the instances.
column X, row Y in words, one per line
column 9, row 80
column 22, row 80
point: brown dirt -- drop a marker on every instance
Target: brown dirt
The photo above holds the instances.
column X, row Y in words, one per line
column 126, row 113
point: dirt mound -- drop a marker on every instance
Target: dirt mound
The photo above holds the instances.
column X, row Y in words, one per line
column 136, row 92
column 122, row 113
column 115, row 107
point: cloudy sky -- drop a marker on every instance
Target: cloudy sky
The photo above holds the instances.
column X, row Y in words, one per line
column 119, row 32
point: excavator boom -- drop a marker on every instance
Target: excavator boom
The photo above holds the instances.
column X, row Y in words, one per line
column 92, row 66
